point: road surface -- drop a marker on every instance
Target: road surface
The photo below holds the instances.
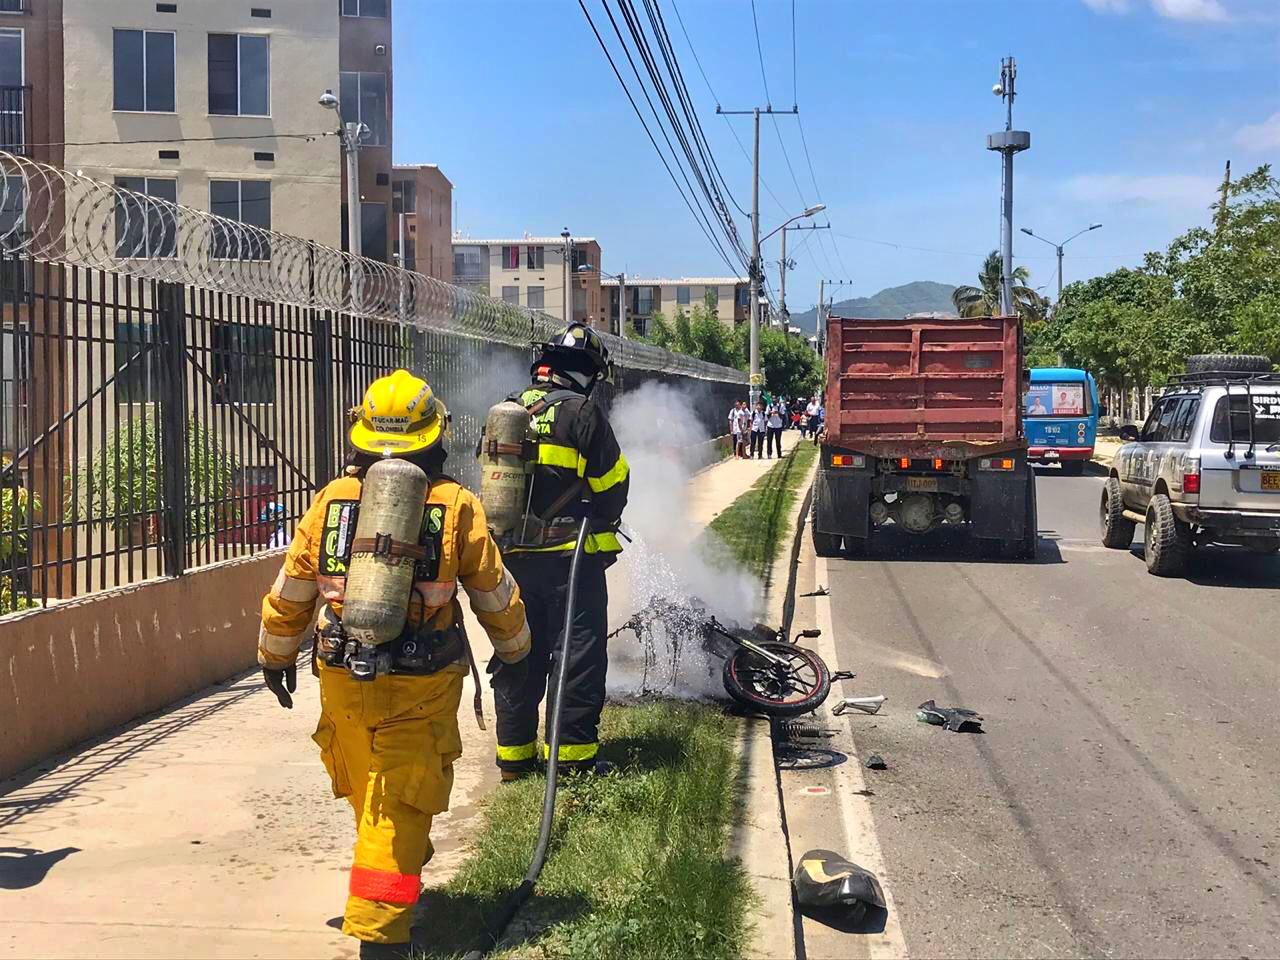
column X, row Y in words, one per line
column 1123, row 800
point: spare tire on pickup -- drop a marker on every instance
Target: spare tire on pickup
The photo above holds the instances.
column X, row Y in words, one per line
column 1228, row 363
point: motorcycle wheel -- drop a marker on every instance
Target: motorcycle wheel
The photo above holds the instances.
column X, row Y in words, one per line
column 800, row 688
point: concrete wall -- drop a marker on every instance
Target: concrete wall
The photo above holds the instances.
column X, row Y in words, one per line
column 81, row 668
column 305, row 176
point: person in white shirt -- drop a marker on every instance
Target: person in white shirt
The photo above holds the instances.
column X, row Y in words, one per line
column 774, row 424
column 744, row 430
column 758, row 428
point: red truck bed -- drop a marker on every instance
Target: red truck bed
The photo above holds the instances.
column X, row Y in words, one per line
column 924, row 386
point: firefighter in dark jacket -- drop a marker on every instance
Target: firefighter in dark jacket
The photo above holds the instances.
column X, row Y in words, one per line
column 580, row 472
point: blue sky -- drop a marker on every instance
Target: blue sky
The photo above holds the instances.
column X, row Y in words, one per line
column 1133, row 107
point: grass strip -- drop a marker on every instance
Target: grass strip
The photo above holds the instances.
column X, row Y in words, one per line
column 637, row 866
column 753, row 526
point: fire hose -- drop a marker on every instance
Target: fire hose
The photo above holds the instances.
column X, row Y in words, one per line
column 520, row 896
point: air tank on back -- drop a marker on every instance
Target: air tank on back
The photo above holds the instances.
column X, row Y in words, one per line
column 392, row 499
column 503, row 475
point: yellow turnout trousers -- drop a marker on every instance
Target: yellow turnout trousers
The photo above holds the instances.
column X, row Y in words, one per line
column 389, row 745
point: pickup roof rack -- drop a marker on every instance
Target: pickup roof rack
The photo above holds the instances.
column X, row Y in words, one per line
column 1189, row 382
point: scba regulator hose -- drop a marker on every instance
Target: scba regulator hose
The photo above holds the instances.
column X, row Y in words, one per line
column 520, row 896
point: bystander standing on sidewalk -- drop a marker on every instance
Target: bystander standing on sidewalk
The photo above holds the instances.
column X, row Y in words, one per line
column 743, row 419
column 774, row 424
column 759, row 422
column 818, row 418
column 734, row 434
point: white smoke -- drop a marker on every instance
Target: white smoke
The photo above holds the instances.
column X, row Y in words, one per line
column 670, row 561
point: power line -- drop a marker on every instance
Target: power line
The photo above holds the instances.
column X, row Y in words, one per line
column 728, row 123
column 760, row 54
column 648, row 132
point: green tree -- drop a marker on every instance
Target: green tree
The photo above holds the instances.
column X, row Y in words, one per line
column 790, row 366
column 984, row 299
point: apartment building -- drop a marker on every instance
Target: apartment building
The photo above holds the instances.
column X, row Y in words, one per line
column 365, row 92
column 730, row 296
column 425, row 196
column 529, row 272
column 225, row 88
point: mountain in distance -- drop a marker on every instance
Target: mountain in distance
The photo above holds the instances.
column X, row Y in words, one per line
column 922, row 296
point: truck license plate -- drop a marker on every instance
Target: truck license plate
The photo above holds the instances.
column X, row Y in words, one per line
column 1271, row 480
column 926, row 484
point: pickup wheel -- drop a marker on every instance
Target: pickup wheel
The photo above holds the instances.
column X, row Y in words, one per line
column 1167, row 540
column 1228, row 363
column 826, row 544
column 1117, row 532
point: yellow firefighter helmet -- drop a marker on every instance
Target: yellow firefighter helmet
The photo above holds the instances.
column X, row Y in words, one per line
column 400, row 415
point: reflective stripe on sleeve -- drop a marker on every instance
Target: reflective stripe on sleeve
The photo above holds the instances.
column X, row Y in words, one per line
column 280, row 646
column 495, row 600
column 570, row 752
column 385, row 886
column 519, row 642
column 296, row 589
column 558, row 455
column 596, row 543
column 617, row 473
column 521, row 751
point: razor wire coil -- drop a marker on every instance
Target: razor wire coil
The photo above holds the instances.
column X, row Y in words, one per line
column 60, row 217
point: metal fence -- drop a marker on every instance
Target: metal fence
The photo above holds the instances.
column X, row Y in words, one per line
column 174, row 387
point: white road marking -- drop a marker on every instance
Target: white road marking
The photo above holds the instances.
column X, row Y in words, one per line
column 855, row 808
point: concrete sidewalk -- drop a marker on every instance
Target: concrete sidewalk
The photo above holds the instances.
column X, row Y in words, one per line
column 210, row 831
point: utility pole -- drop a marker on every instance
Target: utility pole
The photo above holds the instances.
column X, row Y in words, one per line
column 1220, row 220
column 820, row 324
column 622, row 304
column 352, row 134
column 403, row 258
column 567, row 293
column 1007, row 143
column 783, row 266
column 757, row 378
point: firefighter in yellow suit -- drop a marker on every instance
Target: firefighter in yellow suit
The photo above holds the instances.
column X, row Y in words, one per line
column 389, row 744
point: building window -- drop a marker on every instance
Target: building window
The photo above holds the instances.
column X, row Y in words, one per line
column 580, row 258
column 471, row 267
column 535, row 298
column 244, row 363
column 239, row 75
column 404, row 196
column 13, row 123
column 644, row 301
column 511, row 295
column 510, row 258
column 363, row 8
column 535, row 257
column 145, row 230
column 364, row 100
column 373, row 231
column 579, row 301
column 711, row 297
column 682, row 296
column 144, row 71
column 15, row 386
column 13, row 6
column 742, row 296
column 246, row 201
column 137, row 369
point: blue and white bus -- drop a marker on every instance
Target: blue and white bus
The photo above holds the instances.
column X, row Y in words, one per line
column 1060, row 417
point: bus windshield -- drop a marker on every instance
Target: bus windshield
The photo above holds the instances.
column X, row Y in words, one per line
column 1058, row 400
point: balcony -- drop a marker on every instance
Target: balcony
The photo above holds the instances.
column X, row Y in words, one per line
column 15, row 119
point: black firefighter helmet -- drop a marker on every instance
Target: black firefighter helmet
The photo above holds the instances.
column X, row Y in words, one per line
column 576, row 354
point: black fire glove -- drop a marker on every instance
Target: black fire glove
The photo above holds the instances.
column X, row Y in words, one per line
column 282, row 683
column 507, row 678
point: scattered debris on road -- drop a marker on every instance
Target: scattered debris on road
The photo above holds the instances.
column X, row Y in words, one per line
column 955, row 719
column 827, row 885
column 819, row 592
column 876, row 762
column 865, row 704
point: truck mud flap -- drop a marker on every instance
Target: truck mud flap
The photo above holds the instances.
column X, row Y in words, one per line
column 998, row 503
column 842, row 501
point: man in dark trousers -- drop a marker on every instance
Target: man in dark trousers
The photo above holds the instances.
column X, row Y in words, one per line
column 580, row 473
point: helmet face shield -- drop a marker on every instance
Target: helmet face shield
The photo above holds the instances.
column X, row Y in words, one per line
column 576, row 349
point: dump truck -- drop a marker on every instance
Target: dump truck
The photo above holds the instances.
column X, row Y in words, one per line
column 924, row 430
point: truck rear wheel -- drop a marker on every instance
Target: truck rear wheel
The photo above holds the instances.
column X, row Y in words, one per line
column 1117, row 532
column 826, row 544
column 1167, row 540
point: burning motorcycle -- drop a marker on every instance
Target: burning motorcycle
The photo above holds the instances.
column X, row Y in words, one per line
column 762, row 671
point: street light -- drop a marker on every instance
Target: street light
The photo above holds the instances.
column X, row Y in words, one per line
column 351, row 134
column 1058, row 247
column 622, row 294
column 757, row 379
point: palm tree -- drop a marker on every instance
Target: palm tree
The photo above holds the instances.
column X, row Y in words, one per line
column 984, row 299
